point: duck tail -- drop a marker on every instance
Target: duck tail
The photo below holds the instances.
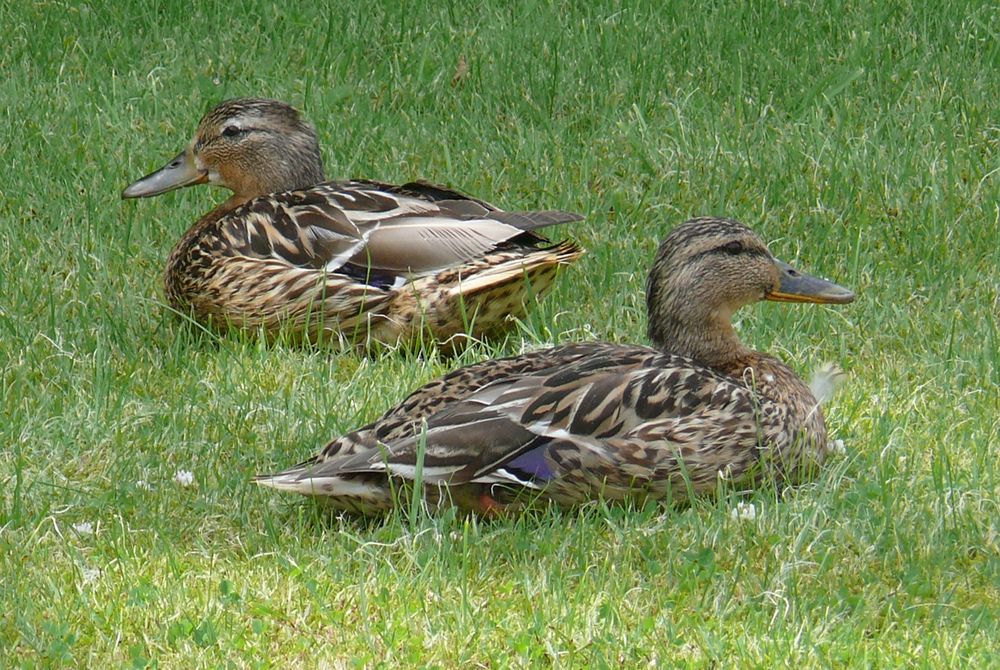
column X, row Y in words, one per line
column 359, row 493
column 534, row 271
column 295, row 479
column 528, row 221
column 356, row 494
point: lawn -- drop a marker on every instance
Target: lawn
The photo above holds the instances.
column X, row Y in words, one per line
column 862, row 140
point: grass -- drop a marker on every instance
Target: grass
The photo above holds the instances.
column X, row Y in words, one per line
column 861, row 139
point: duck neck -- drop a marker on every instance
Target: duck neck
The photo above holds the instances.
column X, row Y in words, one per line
column 234, row 201
column 279, row 177
column 707, row 337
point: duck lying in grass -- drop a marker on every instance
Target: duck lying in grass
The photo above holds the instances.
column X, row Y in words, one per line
column 602, row 420
column 358, row 261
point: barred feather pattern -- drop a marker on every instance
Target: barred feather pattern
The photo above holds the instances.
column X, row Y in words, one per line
column 574, row 423
column 365, row 262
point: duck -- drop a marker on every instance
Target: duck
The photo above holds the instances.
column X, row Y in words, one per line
column 357, row 261
column 600, row 420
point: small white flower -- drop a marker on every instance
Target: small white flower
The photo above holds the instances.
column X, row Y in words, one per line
column 143, row 485
column 837, row 448
column 83, row 528
column 743, row 512
column 184, row 477
column 88, row 575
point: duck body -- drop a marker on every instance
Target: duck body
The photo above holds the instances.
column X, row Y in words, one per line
column 575, row 423
column 358, row 261
column 365, row 262
column 601, row 420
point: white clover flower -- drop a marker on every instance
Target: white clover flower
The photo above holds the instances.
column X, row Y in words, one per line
column 743, row 512
column 89, row 575
column 83, row 528
column 184, row 477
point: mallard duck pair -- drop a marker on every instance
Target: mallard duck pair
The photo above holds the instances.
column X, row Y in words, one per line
column 566, row 424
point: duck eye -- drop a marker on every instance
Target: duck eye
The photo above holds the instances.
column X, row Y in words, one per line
column 230, row 131
column 732, row 248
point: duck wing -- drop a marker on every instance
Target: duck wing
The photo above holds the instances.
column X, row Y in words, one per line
column 379, row 233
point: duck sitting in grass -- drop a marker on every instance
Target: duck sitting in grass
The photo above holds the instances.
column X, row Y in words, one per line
column 360, row 261
column 601, row 420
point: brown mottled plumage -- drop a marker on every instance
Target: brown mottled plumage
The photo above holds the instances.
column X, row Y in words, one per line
column 360, row 261
column 582, row 421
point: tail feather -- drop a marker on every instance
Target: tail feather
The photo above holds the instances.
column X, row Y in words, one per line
column 360, row 493
column 287, row 480
column 561, row 254
column 535, row 220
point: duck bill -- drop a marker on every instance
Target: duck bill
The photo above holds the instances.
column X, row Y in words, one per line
column 179, row 172
column 796, row 286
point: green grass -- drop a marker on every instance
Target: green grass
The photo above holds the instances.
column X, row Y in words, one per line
column 861, row 139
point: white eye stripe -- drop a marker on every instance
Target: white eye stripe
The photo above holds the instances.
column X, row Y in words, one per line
column 237, row 123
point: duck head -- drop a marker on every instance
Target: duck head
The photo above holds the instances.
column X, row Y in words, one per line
column 252, row 146
column 704, row 271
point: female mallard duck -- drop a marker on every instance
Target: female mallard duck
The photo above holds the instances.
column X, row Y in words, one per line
column 582, row 421
column 359, row 260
